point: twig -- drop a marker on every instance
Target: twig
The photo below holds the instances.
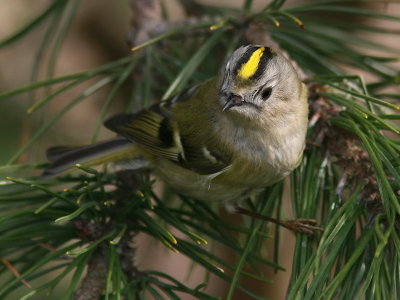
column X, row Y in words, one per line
column 93, row 284
column 13, row 270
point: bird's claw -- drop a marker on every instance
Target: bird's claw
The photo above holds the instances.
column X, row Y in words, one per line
column 302, row 226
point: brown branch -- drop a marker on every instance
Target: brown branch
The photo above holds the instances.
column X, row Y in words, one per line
column 148, row 21
column 92, row 286
column 344, row 150
column 13, row 270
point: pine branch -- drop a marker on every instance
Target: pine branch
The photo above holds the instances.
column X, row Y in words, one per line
column 349, row 178
column 92, row 286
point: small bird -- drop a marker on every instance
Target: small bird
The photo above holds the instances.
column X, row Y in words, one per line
column 221, row 140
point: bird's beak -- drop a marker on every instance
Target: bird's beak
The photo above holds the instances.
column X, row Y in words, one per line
column 233, row 100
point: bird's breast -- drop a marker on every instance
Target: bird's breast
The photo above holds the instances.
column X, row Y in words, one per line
column 261, row 157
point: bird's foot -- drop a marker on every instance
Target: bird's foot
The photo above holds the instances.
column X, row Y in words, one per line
column 301, row 225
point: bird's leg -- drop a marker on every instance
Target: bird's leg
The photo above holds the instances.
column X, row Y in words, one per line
column 297, row 225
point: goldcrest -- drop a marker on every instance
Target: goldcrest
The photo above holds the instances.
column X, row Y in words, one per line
column 218, row 141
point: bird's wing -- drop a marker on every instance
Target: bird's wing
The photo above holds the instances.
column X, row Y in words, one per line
column 154, row 130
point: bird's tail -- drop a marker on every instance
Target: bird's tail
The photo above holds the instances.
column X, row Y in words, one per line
column 64, row 158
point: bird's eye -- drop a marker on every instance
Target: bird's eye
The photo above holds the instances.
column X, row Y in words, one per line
column 266, row 93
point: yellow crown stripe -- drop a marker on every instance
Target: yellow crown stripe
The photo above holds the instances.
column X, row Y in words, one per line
column 249, row 68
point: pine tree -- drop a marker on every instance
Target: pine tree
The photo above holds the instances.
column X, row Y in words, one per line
column 77, row 229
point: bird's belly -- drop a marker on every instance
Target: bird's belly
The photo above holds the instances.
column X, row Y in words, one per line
column 198, row 186
column 256, row 164
column 251, row 176
column 230, row 186
column 207, row 190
